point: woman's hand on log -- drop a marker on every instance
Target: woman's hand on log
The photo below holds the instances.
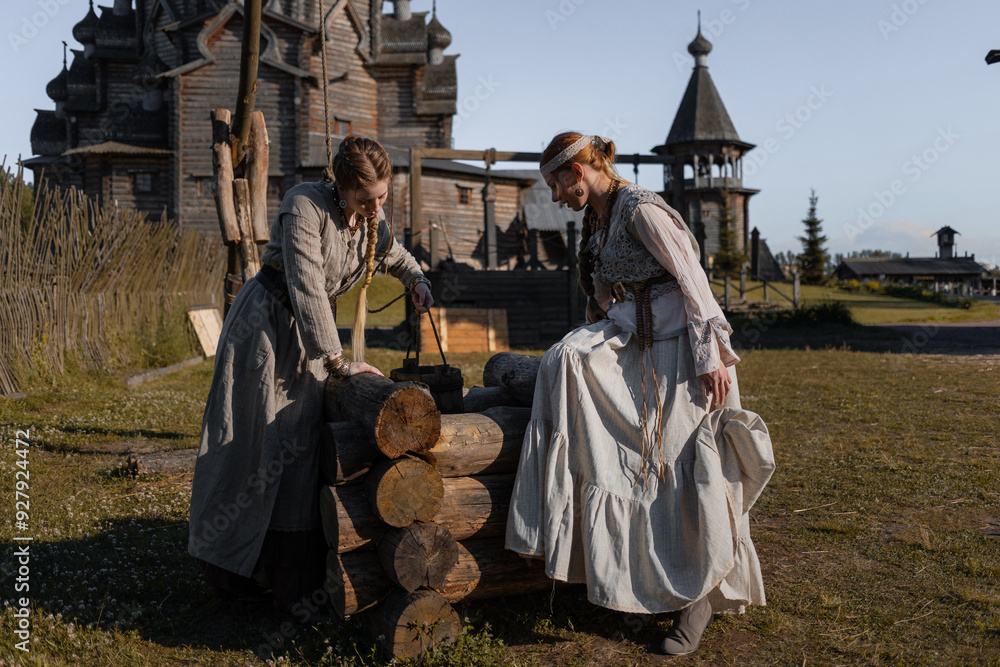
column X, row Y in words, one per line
column 716, row 385
column 422, row 299
column 361, row 367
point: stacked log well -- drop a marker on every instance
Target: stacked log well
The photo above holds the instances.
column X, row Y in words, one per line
column 414, row 525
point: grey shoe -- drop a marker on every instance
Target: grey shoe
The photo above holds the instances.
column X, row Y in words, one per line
column 685, row 635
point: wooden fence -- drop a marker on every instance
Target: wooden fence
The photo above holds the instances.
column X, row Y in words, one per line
column 82, row 279
column 542, row 306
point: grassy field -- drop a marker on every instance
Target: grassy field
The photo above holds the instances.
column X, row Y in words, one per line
column 879, row 535
column 874, row 308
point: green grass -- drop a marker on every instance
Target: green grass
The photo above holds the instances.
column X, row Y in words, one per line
column 874, row 308
column 384, row 288
column 878, row 535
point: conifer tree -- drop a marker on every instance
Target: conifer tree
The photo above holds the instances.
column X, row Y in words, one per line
column 813, row 258
column 728, row 259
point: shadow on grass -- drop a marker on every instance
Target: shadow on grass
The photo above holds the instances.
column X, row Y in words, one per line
column 757, row 333
column 135, row 575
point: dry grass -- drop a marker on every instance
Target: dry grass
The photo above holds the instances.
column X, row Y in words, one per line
column 878, row 535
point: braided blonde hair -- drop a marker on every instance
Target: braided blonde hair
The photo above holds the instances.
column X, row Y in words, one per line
column 361, row 309
column 362, row 163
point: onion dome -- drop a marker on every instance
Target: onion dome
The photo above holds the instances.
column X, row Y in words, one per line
column 85, row 30
column 700, row 46
column 437, row 36
column 56, row 88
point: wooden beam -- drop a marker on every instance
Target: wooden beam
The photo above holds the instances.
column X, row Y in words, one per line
column 416, row 199
column 246, row 93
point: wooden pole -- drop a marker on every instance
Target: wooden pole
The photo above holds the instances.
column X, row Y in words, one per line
column 246, row 94
column 416, row 201
column 258, row 155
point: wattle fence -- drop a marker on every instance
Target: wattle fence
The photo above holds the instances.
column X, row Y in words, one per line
column 101, row 285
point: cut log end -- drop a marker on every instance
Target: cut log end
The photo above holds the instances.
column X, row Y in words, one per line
column 410, row 623
column 409, row 421
column 418, row 556
column 404, row 491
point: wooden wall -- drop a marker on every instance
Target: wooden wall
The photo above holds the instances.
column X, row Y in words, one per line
column 398, row 124
column 542, row 306
column 215, row 85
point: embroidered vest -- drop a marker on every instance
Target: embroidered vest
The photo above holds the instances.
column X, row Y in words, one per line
column 624, row 259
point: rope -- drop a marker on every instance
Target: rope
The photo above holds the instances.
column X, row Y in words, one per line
column 379, row 310
column 326, row 92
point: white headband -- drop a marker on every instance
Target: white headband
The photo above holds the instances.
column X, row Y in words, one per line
column 574, row 148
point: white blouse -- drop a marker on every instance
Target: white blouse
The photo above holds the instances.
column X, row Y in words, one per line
column 693, row 307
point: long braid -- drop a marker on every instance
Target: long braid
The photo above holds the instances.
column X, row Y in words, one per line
column 585, row 267
column 361, row 309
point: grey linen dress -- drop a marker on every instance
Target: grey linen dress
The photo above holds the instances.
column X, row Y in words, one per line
column 658, row 541
column 257, row 465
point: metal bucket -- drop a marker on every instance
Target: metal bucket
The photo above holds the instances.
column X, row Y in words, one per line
column 444, row 381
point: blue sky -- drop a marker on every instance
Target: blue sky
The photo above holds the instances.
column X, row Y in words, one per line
column 885, row 107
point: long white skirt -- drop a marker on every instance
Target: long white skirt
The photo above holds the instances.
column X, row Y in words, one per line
column 644, row 543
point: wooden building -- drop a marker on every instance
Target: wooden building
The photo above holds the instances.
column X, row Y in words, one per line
column 707, row 161
column 946, row 272
column 131, row 118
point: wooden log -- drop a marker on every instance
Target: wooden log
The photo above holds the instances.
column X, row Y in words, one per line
column 346, row 452
column 400, row 417
column 470, row 444
column 484, row 569
column 479, row 399
column 476, row 507
column 404, row 491
column 419, row 555
column 484, row 443
column 249, row 260
column 514, row 372
column 355, row 581
column 257, row 162
column 407, row 624
column 471, row 507
column 222, row 170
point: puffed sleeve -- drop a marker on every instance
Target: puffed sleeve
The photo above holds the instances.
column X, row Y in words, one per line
column 306, row 279
column 708, row 329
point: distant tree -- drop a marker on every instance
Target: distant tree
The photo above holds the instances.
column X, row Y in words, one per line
column 728, row 259
column 7, row 180
column 870, row 254
column 813, row 258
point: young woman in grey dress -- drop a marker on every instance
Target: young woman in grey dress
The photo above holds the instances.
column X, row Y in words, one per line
column 254, row 499
column 639, row 467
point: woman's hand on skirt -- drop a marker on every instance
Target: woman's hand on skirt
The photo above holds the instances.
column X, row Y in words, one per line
column 716, row 386
column 362, row 367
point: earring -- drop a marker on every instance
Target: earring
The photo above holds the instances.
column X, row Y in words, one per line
column 343, row 203
column 578, row 192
